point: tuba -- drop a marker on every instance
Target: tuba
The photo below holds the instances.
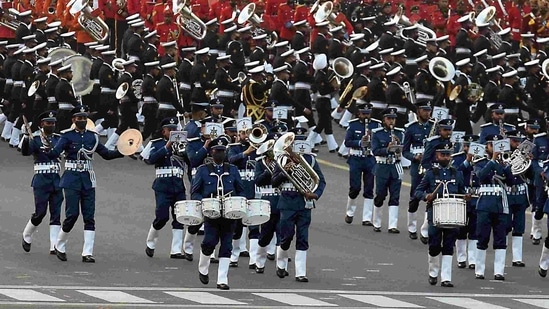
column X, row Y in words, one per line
column 95, row 26
column 409, row 92
column 189, row 22
column 258, row 135
column 402, row 21
column 294, row 166
column 9, row 19
column 442, row 69
column 342, row 68
column 248, row 15
column 487, row 16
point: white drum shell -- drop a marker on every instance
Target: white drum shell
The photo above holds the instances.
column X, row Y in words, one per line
column 235, row 207
column 449, row 212
column 258, row 212
column 189, row 212
column 211, row 208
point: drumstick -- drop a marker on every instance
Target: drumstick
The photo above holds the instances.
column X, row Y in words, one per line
column 436, row 188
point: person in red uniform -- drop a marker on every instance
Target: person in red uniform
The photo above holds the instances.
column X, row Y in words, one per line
column 270, row 15
column 146, row 12
column 341, row 18
column 134, row 6
column 5, row 32
column 158, row 11
column 286, row 12
column 227, row 12
column 302, row 11
column 168, row 30
column 516, row 10
column 201, row 9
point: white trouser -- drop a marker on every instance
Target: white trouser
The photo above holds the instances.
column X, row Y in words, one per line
column 412, row 222
column 62, row 241
column 351, row 207
column 461, row 250
column 536, row 227
column 367, row 209
column 544, row 258
column 281, row 258
column 472, row 252
column 15, row 134
column 188, row 242
column 393, row 217
column 203, row 263
column 6, row 132
column 434, row 266
column 378, row 215
column 517, row 248
column 424, row 230
column 223, row 271
column 253, row 251
column 332, row 144
column 499, row 261
column 236, row 250
column 54, row 231
column 480, row 266
column 111, row 142
column 260, row 256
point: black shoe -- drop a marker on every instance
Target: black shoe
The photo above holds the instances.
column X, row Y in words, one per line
column 424, row 240
column 519, row 264
column 52, row 252
column 471, row 266
column 348, row 219
column 200, row 232
column 205, row 279
column 214, row 260
column 259, row 270
column 61, row 255
column 178, row 256
column 88, row 259
column 270, row 257
column 462, row 264
column 323, row 143
column 481, row 277
column 447, row 284
column 11, row 146
column 281, row 273
column 499, row 277
column 251, row 266
column 149, row 251
column 133, row 157
column 367, row 223
column 26, row 245
column 412, row 235
column 332, row 151
column 314, row 150
column 339, row 155
column 233, row 264
column 345, row 156
column 244, row 254
column 301, row 279
column 542, row 272
column 377, row 229
column 536, row 241
column 188, row 256
column 223, row 286
column 433, row 280
column 394, row 231
column 289, row 260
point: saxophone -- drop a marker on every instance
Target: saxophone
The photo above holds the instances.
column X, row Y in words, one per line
column 431, row 134
column 367, row 139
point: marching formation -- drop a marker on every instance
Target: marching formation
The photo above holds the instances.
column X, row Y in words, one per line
column 223, row 91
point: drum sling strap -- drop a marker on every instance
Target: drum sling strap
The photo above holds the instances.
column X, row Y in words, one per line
column 211, row 168
column 436, row 173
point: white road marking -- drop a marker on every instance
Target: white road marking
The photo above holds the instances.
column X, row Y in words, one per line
column 116, row 297
column 466, row 302
column 294, row 299
column 205, row 298
column 542, row 303
column 380, row 301
column 28, row 295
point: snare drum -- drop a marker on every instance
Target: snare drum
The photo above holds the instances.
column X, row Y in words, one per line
column 258, row 212
column 211, row 208
column 235, row 207
column 189, row 212
column 449, row 212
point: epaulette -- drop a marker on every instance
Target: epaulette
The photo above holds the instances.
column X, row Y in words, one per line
column 540, row 134
column 399, row 129
column 458, row 154
column 432, row 138
column 93, row 131
column 377, row 129
column 192, row 139
column 55, row 134
column 354, row 120
column 410, row 123
column 67, row 130
column 486, row 124
column 511, row 125
column 375, row 120
column 155, row 140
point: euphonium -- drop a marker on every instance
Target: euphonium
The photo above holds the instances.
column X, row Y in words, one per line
column 93, row 25
column 9, row 19
column 189, row 22
column 294, row 166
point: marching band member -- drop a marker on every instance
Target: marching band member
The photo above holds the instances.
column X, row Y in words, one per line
column 376, row 89
column 336, row 47
column 168, row 188
column 482, row 42
column 490, row 97
column 40, row 98
column 150, row 54
column 295, row 213
column 354, row 51
column 45, row 183
column 413, row 148
column 388, row 38
column 225, row 85
column 511, row 98
column 464, row 44
column 65, row 96
column 505, row 46
column 51, row 84
column 361, row 163
column 170, row 52
column 539, row 156
column 535, row 86
column 496, row 126
column 320, row 43
column 462, row 102
column 199, row 76
column 386, row 146
column 78, row 180
column 441, row 240
column 300, row 39
column 148, row 92
column 15, row 98
column 236, row 51
column 478, row 73
column 396, row 96
column 255, row 93
column 24, row 28
column 166, row 94
column 216, row 179
column 413, row 49
column 184, row 76
column 136, row 46
column 108, row 103
column 544, row 258
column 258, row 53
column 425, row 83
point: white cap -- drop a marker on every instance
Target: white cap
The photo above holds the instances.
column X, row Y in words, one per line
column 40, row 46
column 398, row 52
column 108, row 53
column 357, row 36
column 151, row 34
column 257, row 69
column 322, row 23
column 480, row 53
column 527, row 35
column 505, row 31
column 394, row 70
column 336, row 29
column 463, row 62
column 260, row 37
column 299, row 23
column 497, row 56
column 211, row 21
column 364, row 64
column 68, row 34
column 65, row 68
column 51, row 30
column 188, row 49
column 421, row 58
column 29, row 37
column 54, row 24
column 542, row 40
column 25, row 13
column 244, row 29
column 390, row 23
column 138, row 24
column 252, row 64
column 230, row 29
column 509, row 74
column 168, row 44
column 92, row 43
column 102, row 48
column 41, row 19
column 497, row 68
column 281, row 68
column 43, row 60
column 303, row 50
column 169, row 65
column 464, row 18
column 531, row 63
column 56, row 62
column 281, row 44
column 222, row 58
column 131, row 17
column 202, row 51
column 287, row 53
column 152, row 64
column 129, row 62
column 386, row 51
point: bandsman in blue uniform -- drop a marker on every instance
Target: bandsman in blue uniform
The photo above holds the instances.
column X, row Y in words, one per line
column 441, row 240
column 78, row 180
column 496, row 126
column 492, row 209
column 361, row 163
column 387, row 149
column 168, row 187
column 45, row 183
column 413, row 148
column 295, row 214
column 217, row 179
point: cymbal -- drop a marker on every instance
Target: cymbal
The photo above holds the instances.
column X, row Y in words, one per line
column 90, row 125
column 129, row 142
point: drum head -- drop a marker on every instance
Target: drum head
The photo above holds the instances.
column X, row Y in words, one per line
column 60, row 53
column 81, row 67
column 129, row 142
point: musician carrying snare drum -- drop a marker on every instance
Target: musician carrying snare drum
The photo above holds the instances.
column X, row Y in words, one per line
column 218, row 180
column 443, row 179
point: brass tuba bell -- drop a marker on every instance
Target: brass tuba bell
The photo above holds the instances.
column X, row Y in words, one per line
column 189, row 22
column 95, row 26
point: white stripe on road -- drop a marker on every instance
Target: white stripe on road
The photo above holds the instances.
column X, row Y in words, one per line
column 28, row 295
column 116, row 297
column 466, row 302
column 294, row 299
column 380, row 301
column 205, row 298
column 542, row 303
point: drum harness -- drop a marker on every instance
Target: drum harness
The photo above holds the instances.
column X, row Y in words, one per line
column 220, row 189
column 436, row 173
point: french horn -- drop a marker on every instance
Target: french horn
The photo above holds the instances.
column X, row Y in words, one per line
column 122, row 90
column 95, row 26
column 189, row 22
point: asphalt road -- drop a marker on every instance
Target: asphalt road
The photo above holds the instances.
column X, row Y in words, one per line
column 348, row 265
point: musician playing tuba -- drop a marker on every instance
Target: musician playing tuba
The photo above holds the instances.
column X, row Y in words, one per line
column 255, row 93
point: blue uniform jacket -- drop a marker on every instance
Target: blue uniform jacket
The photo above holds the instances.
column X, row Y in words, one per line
column 263, row 179
column 357, row 130
column 414, row 138
column 33, row 146
column 162, row 157
column 196, row 152
column 75, row 144
column 193, row 128
column 434, row 176
column 236, row 157
column 381, row 138
column 485, row 170
column 493, row 128
column 430, row 150
column 204, row 185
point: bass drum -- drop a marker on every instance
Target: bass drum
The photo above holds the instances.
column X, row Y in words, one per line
column 60, row 53
column 81, row 68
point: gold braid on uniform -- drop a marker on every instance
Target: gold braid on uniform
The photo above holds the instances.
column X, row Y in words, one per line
column 255, row 107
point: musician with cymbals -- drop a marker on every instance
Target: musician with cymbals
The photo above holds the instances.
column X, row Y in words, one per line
column 79, row 181
column 217, row 179
column 45, row 183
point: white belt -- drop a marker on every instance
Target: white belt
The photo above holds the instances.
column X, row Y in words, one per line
column 324, row 96
column 247, row 175
column 149, row 100
column 268, row 190
column 165, row 106
column 399, row 109
column 96, row 82
column 420, row 96
column 197, row 85
column 287, row 186
column 9, row 81
column 136, row 58
column 302, row 85
column 225, row 93
column 169, row 172
column 517, row 189
column 511, row 110
column 386, row 160
column 462, row 50
column 47, row 168
column 356, row 152
column 521, row 69
column 417, row 150
column 378, row 104
column 490, row 190
column 51, row 100
column 107, row 90
column 184, row 86
column 18, row 83
column 66, row 106
column 78, row 165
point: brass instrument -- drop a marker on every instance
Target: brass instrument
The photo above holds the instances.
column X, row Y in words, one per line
column 122, row 90
column 502, row 129
column 265, row 152
column 342, row 68
column 257, row 135
column 95, row 26
column 487, row 16
column 402, row 22
column 189, row 22
column 442, row 69
column 33, row 88
column 367, row 139
column 394, row 145
column 9, row 19
column 545, row 68
column 455, row 93
column 294, row 166
column 324, row 12
column 409, row 92
column 136, row 85
column 248, row 15
column 343, row 96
